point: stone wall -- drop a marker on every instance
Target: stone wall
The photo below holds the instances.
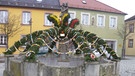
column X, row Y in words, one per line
column 39, row 69
column 102, row 69
column 75, row 67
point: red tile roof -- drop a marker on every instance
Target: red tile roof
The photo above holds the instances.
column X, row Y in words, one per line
column 91, row 5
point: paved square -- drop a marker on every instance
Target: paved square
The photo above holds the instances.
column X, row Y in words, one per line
column 2, row 67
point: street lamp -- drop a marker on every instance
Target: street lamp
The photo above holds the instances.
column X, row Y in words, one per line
column 30, row 22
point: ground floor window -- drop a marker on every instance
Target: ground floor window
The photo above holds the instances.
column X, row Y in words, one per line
column 3, row 40
column 112, row 44
column 130, row 43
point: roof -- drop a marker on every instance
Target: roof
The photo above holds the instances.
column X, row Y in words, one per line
column 91, row 5
column 44, row 4
column 130, row 19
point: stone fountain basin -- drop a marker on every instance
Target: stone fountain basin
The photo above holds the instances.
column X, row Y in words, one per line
column 52, row 66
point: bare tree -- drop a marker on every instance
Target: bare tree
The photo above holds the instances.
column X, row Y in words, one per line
column 124, row 33
column 10, row 27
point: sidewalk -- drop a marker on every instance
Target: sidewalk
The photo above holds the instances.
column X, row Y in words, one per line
column 127, row 66
column 2, row 68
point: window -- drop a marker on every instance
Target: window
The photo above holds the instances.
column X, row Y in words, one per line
column 113, row 22
column 85, row 18
column 24, row 45
column 47, row 22
column 131, row 28
column 3, row 40
column 26, row 17
column 3, row 16
column 72, row 15
column 100, row 20
column 111, row 43
column 130, row 43
column 22, row 36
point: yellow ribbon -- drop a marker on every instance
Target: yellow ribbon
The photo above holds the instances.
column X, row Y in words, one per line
column 55, row 18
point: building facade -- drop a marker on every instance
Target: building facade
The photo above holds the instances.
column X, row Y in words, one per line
column 35, row 11
column 130, row 40
column 98, row 18
column 94, row 16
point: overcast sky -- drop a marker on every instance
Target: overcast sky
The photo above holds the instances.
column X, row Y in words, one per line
column 127, row 6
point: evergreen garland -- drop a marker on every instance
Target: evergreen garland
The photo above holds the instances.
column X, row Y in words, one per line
column 84, row 42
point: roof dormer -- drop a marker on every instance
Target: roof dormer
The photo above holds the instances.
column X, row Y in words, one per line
column 84, row 1
column 39, row 0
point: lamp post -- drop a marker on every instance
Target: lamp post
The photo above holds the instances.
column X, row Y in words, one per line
column 30, row 22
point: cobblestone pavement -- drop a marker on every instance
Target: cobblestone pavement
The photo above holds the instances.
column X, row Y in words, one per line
column 127, row 67
column 2, row 67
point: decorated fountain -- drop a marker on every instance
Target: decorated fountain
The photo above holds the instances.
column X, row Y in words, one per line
column 62, row 51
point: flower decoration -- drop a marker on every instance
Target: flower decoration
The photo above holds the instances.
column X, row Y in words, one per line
column 92, row 56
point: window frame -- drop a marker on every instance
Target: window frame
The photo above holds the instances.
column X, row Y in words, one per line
column 69, row 20
column 115, row 43
column 23, row 22
column 23, row 46
column 4, row 20
column 110, row 18
column 50, row 24
column 131, row 28
column 3, row 40
column 130, row 43
column 103, row 25
column 82, row 13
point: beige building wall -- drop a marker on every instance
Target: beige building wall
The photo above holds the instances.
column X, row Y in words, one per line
column 130, row 50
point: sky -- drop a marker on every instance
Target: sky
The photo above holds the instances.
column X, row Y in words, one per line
column 126, row 6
